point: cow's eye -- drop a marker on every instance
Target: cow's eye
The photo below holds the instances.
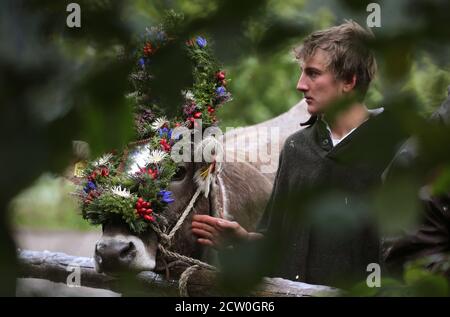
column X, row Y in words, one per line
column 179, row 174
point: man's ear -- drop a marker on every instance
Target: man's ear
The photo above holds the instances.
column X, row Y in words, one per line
column 349, row 84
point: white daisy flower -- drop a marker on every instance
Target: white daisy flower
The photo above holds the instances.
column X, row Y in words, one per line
column 188, row 95
column 132, row 95
column 140, row 158
column 156, row 156
column 143, row 157
column 122, row 192
column 159, row 123
column 103, row 160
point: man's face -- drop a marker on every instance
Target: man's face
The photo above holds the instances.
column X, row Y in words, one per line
column 318, row 84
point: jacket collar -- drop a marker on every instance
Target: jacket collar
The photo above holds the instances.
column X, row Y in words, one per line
column 310, row 121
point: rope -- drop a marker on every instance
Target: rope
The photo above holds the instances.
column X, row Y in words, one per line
column 168, row 237
column 217, row 208
column 175, row 255
column 167, row 240
column 161, row 234
column 184, row 278
column 184, row 215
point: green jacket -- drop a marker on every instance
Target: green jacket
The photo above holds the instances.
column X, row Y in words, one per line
column 318, row 216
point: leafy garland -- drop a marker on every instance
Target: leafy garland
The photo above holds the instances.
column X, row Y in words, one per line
column 133, row 183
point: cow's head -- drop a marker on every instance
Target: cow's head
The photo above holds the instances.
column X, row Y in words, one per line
column 239, row 187
column 119, row 249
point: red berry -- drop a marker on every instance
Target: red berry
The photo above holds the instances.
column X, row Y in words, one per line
column 148, row 49
column 105, row 172
column 197, row 115
column 149, row 218
column 221, row 76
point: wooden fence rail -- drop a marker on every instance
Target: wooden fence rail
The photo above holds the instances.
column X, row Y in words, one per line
column 57, row 267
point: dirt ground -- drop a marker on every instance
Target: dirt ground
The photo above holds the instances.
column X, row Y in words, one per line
column 70, row 242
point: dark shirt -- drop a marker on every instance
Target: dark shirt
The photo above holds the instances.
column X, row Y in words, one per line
column 319, row 211
column 431, row 236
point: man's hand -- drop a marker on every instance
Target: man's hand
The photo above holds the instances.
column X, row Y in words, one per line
column 217, row 232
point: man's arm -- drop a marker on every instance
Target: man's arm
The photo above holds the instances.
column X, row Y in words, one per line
column 220, row 233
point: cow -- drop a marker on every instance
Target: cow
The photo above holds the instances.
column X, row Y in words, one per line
column 239, row 193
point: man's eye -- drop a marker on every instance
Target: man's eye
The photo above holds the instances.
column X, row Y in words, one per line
column 313, row 74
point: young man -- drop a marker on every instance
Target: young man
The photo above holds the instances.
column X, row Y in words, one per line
column 318, row 213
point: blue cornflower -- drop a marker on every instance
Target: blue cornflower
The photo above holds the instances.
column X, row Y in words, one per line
column 166, row 131
column 89, row 186
column 161, row 36
column 177, row 136
column 142, row 62
column 221, row 91
column 201, row 41
column 166, row 196
column 162, row 131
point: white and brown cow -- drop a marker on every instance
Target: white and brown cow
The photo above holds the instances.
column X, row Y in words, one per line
column 242, row 189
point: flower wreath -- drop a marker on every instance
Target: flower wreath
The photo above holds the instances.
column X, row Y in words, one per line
column 133, row 183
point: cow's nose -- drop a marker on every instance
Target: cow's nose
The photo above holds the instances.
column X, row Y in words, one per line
column 113, row 255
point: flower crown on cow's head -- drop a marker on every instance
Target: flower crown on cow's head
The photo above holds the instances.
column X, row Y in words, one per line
column 133, row 183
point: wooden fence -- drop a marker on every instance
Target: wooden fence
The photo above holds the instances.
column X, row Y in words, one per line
column 57, row 267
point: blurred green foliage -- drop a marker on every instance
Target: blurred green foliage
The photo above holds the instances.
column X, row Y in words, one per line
column 60, row 84
column 418, row 280
column 48, row 204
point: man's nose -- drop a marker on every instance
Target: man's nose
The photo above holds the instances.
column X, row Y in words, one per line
column 302, row 85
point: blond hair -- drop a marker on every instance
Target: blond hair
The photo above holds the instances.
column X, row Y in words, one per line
column 348, row 51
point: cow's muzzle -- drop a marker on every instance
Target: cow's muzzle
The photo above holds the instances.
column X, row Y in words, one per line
column 113, row 255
